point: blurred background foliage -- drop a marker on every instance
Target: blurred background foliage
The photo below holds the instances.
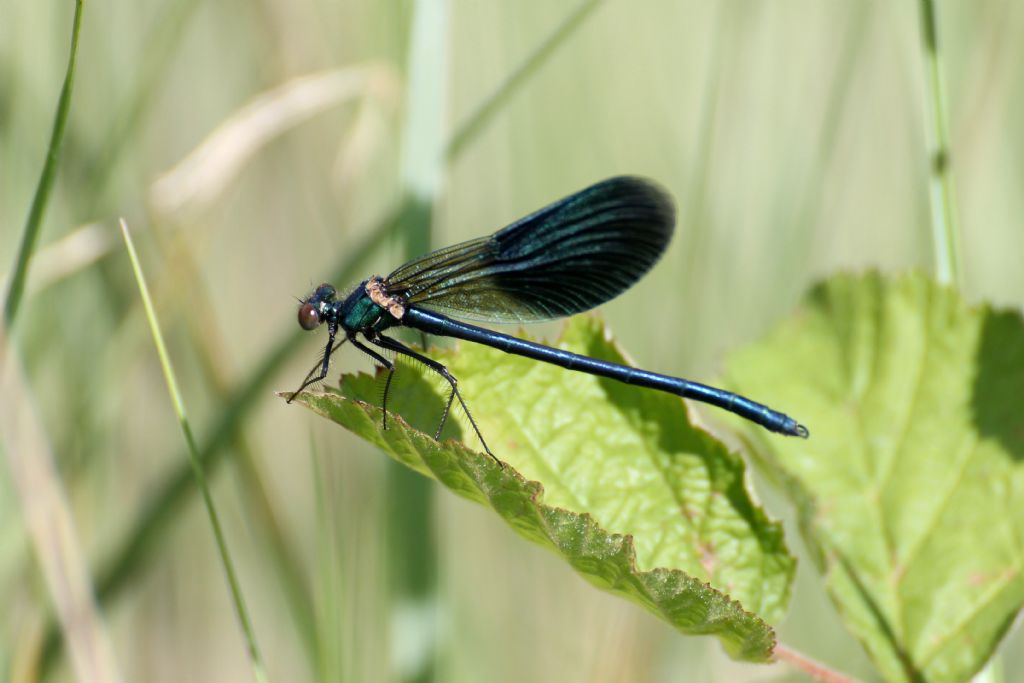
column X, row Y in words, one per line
column 258, row 148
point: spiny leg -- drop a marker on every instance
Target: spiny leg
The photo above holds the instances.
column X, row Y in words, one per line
column 398, row 347
column 391, row 371
column 322, row 364
column 444, row 416
column 305, row 382
column 384, row 401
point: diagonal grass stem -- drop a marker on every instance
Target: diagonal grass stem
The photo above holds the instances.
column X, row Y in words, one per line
column 259, row 672
column 46, row 179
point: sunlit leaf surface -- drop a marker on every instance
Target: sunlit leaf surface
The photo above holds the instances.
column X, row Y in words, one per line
column 911, row 483
column 612, row 478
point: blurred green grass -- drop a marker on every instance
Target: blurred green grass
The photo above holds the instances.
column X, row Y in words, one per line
column 790, row 133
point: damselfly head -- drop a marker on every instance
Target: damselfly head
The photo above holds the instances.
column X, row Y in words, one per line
column 312, row 309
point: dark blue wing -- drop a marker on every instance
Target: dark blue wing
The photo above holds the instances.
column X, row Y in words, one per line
column 568, row 257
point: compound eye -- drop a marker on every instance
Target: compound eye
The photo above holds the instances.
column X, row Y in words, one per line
column 309, row 317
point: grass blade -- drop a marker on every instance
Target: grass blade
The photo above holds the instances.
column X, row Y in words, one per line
column 46, row 180
column 945, row 231
column 259, row 672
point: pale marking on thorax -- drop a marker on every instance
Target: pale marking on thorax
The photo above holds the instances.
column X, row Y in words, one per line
column 375, row 290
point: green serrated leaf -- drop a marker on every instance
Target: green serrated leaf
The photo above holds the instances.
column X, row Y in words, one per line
column 910, row 486
column 637, row 500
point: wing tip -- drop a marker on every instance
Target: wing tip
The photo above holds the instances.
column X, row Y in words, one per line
column 648, row 193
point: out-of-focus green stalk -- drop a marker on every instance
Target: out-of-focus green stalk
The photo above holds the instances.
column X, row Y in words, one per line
column 945, row 231
column 411, row 555
column 46, row 180
column 423, row 136
column 329, row 662
column 259, row 671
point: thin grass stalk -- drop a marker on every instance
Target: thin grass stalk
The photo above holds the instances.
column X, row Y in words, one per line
column 945, row 231
column 259, row 671
column 34, row 222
